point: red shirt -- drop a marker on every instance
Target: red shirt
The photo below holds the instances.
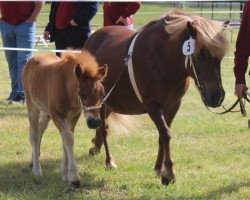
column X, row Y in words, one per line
column 242, row 52
column 65, row 13
column 113, row 10
column 14, row 12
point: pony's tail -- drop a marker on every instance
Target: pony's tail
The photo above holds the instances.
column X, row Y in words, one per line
column 124, row 124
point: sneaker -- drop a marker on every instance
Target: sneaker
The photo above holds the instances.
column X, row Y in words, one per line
column 17, row 100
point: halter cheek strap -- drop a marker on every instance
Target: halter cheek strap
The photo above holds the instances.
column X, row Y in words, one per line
column 189, row 60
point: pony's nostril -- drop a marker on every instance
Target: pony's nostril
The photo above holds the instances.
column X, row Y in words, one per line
column 98, row 122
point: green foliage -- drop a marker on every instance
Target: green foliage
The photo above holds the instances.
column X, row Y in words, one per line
column 210, row 152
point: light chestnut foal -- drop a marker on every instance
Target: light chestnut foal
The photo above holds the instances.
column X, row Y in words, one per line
column 59, row 89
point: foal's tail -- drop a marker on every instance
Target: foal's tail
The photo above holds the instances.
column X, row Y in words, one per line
column 27, row 73
column 125, row 124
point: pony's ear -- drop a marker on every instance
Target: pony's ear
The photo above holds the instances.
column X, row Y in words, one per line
column 191, row 29
column 78, row 71
column 102, row 72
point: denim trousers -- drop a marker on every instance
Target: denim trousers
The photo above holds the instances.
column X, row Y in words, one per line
column 17, row 36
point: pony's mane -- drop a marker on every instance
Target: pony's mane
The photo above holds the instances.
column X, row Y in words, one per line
column 210, row 34
column 85, row 59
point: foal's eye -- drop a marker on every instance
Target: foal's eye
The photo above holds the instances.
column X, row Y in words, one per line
column 83, row 95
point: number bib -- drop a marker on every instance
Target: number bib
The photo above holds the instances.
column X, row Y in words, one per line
column 188, row 47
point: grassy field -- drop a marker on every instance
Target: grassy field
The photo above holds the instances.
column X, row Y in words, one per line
column 211, row 153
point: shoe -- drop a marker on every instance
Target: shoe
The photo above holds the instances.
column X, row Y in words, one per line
column 17, row 100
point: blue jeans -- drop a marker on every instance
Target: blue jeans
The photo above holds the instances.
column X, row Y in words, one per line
column 20, row 36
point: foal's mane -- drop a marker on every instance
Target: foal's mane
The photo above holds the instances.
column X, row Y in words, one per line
column 210, row 34
column 87, row 62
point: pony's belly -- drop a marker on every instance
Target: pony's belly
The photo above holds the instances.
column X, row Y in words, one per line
column 127, row 108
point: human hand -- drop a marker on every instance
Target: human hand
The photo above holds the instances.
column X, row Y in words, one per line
column 240, row 90
column 46, row 35
column 73, row 23
column 124, row 21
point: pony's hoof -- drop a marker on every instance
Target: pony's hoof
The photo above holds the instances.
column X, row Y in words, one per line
column 165, row 181
column 76, row 184
column 94, row 151
column 111, row 165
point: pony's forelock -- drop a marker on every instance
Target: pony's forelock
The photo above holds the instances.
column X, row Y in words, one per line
column 210, row 34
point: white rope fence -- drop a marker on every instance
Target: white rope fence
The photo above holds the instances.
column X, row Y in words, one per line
column 38, row 50
column 56, row 50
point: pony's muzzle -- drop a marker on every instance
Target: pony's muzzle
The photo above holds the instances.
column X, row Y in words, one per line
column 214, row 98
column 93, row 123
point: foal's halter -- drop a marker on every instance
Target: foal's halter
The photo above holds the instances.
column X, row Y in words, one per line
column 88, row 108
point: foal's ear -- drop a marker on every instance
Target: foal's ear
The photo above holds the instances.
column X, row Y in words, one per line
column 226, row 24
column 102, row 72
column 191, row 29
column 78, row 71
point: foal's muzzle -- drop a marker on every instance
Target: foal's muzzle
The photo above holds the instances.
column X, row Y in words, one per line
column 93, row 123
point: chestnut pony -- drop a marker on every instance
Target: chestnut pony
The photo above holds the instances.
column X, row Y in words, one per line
column 58, row 89
column 161, row 74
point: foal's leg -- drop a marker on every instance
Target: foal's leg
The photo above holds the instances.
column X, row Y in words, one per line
column 65, row 163
column 42, row 126
column 34, row 137
column 168, row 116
column 68, row 148
column 156, row 114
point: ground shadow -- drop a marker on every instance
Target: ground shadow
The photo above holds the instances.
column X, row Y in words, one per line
column 17, row 180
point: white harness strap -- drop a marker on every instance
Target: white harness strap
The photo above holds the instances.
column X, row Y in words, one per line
column 131, row 70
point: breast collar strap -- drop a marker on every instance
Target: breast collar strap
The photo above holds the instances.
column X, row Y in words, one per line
column 130, row 68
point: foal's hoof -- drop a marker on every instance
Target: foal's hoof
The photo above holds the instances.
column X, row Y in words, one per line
column 76, row 184
column 94, row 151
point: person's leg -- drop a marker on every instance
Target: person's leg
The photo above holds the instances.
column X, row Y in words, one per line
column 25, row 34
column 60, row 41
column 75, row 37
column 9, row 40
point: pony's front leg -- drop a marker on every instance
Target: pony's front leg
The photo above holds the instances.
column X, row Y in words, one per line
column 166, row 172
column 169, row 115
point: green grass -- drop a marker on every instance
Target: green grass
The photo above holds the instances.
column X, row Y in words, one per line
column 210, row 152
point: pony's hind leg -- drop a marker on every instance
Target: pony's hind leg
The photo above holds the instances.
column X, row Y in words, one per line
column 69, row 162
column 102, row 138
column 34, row 136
